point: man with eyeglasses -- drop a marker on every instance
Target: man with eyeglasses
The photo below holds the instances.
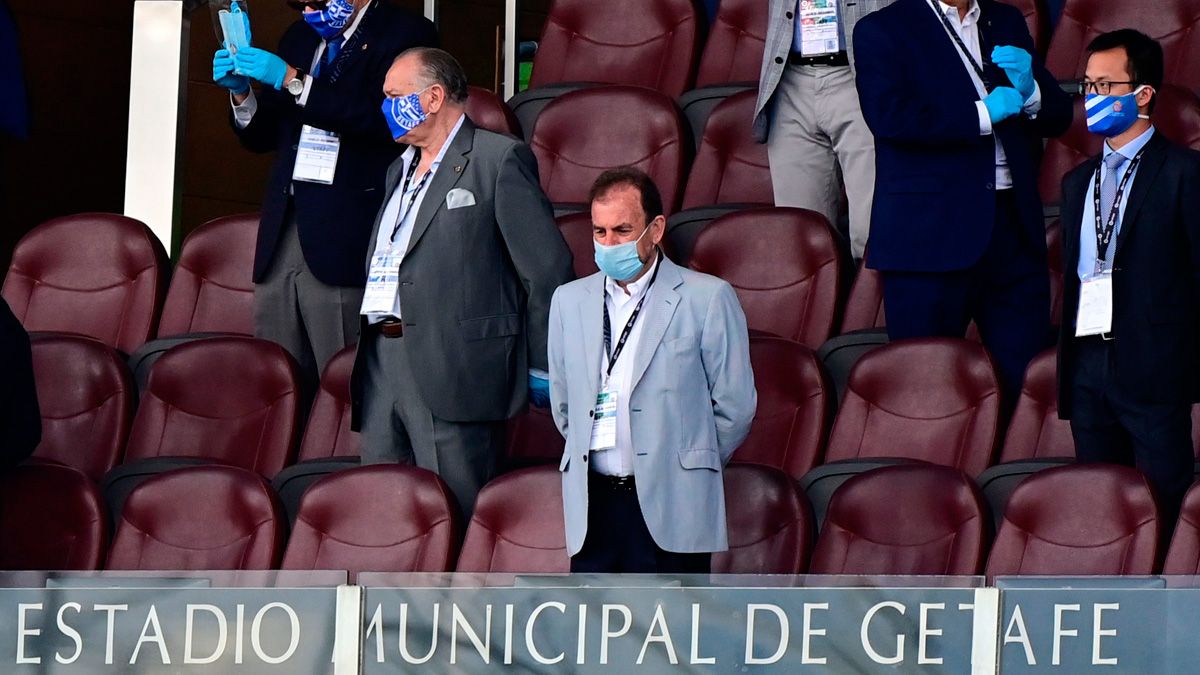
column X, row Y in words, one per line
column 317, row 108
column 959, row 105
column 1129, row 357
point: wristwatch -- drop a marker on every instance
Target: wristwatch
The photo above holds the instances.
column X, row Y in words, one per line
column 295, row 86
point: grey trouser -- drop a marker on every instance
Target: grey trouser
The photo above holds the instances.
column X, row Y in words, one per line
column 398, row 427
column 816, row 126
column 312, row 320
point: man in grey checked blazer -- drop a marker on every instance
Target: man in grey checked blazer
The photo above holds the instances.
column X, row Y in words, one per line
column 808, row 114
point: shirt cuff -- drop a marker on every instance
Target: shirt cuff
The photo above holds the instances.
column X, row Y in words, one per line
column 242, row 114
column 302, row 99
column 539, row 373
column 1033, row 104
column 985, row 120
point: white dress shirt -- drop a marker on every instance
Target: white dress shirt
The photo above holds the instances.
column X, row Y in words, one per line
column 967, row 29
column 618, row 461
column 412, row 197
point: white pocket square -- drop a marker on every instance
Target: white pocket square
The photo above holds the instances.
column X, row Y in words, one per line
column 458, row 198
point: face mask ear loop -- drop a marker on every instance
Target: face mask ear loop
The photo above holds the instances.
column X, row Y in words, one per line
column 1138, row 91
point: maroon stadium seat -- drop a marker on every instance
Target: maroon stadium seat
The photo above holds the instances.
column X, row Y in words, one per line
column 648, row 43
column 1174, row 23
column 1036, row 19
column 1080, row 520
column 199, row 518
column 784, row 264
column 794, row 407
column 905, row 520
column 94, row 274
column 932, row 399
column 86, row 397
column 730, row 167
column 576, row 229
column 212, row 290
column 1176, row 115
column 379, row 518
column 585, row 132
column 1035, row 432
column 51, row 518
column 1183, row 555
column 488, row 111
column 229, row 400
column 532, row 438
column 864, row 306
column 769, row 522
column 328, row 432
column 518, row 525
column 736, row 40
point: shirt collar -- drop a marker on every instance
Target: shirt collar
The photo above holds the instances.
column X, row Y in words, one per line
column 410, row 150
column 635, row 289
column 1131, row 148
column 951, row 12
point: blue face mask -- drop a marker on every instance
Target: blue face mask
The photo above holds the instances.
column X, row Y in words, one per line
column 1112, row 115
column 403, row 114
column 331, row 20
column 620, row 262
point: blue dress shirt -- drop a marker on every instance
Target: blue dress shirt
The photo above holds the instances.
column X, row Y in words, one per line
column 1087, row 231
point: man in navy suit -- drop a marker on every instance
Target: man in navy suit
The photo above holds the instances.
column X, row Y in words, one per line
column 318, row 108
column 958, row 107
column 1129, row 357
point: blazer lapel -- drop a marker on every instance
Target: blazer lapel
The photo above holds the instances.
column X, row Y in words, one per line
column 660, row 308
column 1072, row 211
column 1151, row 164
column 452, row 168
column 350, row 50
column 591, row 326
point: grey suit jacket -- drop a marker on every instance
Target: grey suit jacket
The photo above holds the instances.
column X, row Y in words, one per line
column 476, row 281
column 692, row 402
column 779, row 44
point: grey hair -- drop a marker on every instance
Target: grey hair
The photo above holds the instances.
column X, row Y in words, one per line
column 441, row 68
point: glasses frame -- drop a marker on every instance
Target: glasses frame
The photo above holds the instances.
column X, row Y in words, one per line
column 1087, row 87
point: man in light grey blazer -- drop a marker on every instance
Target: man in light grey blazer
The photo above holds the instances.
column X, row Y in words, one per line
column 808, row 113
column 465, row 258
column 650, row 383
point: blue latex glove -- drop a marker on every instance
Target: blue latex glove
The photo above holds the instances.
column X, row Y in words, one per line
column 1003, row 103
column 1018, row 65
column 223, row 73
column 261, row 65
column 539, row 391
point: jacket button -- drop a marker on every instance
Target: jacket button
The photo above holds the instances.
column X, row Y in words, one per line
column 590, row 413
column 778, row 59
column 585, row 459
column 990, row 186
column 788, row 15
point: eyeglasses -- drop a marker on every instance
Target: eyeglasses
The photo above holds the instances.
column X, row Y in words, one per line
column 1101, row 88
column 301, row 4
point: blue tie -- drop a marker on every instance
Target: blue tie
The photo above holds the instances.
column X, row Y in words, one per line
column 331, row 51
column 1108, row 195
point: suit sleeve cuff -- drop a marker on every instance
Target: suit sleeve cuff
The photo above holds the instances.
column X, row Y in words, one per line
column 537, row 372
column 242, row 114
column 985, row 120
column 1033, row 104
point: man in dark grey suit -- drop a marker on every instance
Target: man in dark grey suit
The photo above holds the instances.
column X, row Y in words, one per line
column 464, row 260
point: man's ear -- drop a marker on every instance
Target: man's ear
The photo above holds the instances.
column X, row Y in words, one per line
column 1145, row 96
column 659, row 225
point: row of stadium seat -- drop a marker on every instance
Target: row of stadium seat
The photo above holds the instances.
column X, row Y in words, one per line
column 911, row 519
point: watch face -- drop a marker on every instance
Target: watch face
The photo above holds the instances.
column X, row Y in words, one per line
column 295, row 87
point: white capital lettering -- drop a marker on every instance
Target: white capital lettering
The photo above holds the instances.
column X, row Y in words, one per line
column 664, row 637
column 69, row 632
column 696, row 659
column 925, row 632
column 189, row 629
column 1098, row 618
column 530, row 646
column 457, row 621
column 866, row 640
column 156, row 638
column 606, row 632
column 23, row 632
column 1022, row 636
column 111, row 610
column 806, row 656
column 404, row 653
column 1060, row 632
column 256, row 633
column 784, row 633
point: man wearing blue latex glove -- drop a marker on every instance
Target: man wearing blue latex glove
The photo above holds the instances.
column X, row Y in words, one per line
column 959, row 108
column 319, row 90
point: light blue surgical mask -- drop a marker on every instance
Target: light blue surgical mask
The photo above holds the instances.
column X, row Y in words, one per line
column 332, row 20
column 404, row 113
column 621, row 262
column 1112, row 115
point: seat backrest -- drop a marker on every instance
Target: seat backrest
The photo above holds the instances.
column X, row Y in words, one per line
column 933, row 399
column 1183, row 555
column 231, row 400
column 770, row 523
column 576, row 229
column 518, row 525
column 737, row 37
column 1176, row 115
column 906, row 519
column 573, row 140
column 648, row 43
column 730, row 167
column 488, row 111
column 96, row 274
column 85, row 393
column 328, row 433
column 795, row 407
column 212, row 290
column 785, row 266
column 533, row 437
column 1172, row 22
column 52, row 517
column 1036, row 19
column 864, row 305
column 1035, row 432
column 199, row 518
column 378, row 518
column 1079, row 520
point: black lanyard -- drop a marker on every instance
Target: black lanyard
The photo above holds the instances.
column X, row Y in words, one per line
column 1104, row 234
column 962, row 45
column 412, row 171
column 614, row 354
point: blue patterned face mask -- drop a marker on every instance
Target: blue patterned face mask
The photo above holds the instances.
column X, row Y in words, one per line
column 330, row 21
column 1112, row 115
column 404, row 113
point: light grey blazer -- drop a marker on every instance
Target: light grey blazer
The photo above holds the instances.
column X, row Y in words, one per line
column 779, row 45
column 692, row 402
